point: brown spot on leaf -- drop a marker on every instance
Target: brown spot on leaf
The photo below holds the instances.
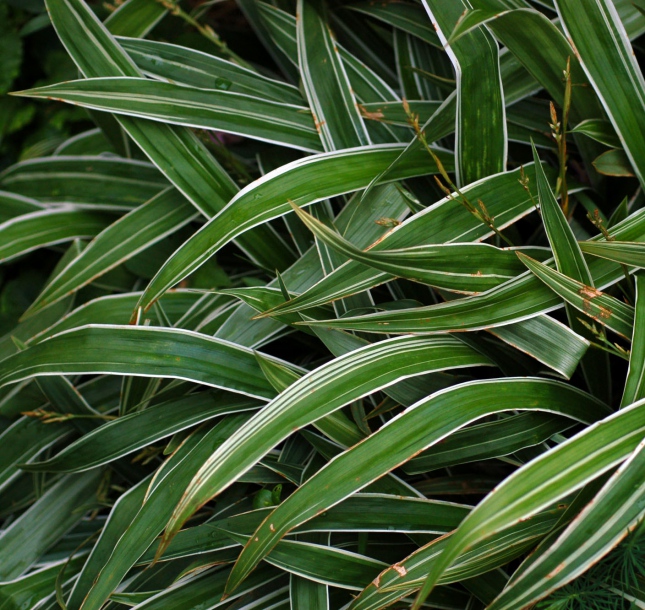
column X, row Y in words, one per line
column 557, row 570
column 401, row 571
column 589, row 292
column 372, row 116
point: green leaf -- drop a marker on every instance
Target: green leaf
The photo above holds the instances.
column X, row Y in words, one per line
column 544, row 480
column 23, row 440
column 625, row 253
column 268, row 197
column 467, row 268
column 446, row 221
column 307, row 595
column 101, row 181
column 25, row 539
column 144, row 226
column 110, row 309
column 417, row 428
column 139, row 429
column 546, row 340
column 634, row 389
column 566, row 251
column 135, row 18
column 313, row 396
column 489, row 440
column 571, row 263
column 515, row 300
column 325, row 82
column 162, row 494
column 176, row 151
column 613, row 72
column 543, row 50
column 205, row 588
column 145, row 351
column 169, row 103
column 322, row 564
column 197, row 69
column 407, row 17
column 363, row 512
column 603, row 308
column 121, row 516
column 29, row 591
column 405, row 577
column 12, row 205
column 48, row 227
column 618, row 506
column 600, row 130
column 471, row 19
column 481, row 144
column 614, row 163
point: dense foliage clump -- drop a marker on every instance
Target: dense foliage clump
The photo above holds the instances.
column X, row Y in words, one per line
column 312, row 304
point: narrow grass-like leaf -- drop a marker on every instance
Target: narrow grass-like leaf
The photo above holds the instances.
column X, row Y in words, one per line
column 603, row 308
column 406, row 16
column 267, row 198
column 600, row 130
column 163, row 493
column 625, row 253
column 105, row 181
column 446, row 221
column 32, row 590
column 135, row 18
column 141, row 351
column 176, row 151
column 121, row 516
column 618, row 506
column 489, row 440
column 405, row 577
column 22, row 441
column 198, row 69
column 48, row 227
column 323, row 564
column 613, row 72
column 168, row 103
column 110, row 309
column 571, row 263
column 417, row 428
column 363, row 512
column 516, row 300
column 634, row 384
column 481, row 144
column 566, row 251
column 543, row 50
column 12, row 205
column 144, row 226
column 544, row 480
column 460, row 267
column 267, row 590
column 305, row 594
column 313, row 396
column 26, row 538
column 547, row 340
column 136, row 430
column 338, row 121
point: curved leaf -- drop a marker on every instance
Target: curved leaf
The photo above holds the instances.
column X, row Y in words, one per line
column 313, row 396
column 141, row 351
column 267, row 198
column 417, row 428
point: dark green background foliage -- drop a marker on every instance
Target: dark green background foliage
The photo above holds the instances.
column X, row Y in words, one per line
column 313, row 304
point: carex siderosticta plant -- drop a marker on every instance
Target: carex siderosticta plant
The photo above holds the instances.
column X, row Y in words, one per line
column 325, row 305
